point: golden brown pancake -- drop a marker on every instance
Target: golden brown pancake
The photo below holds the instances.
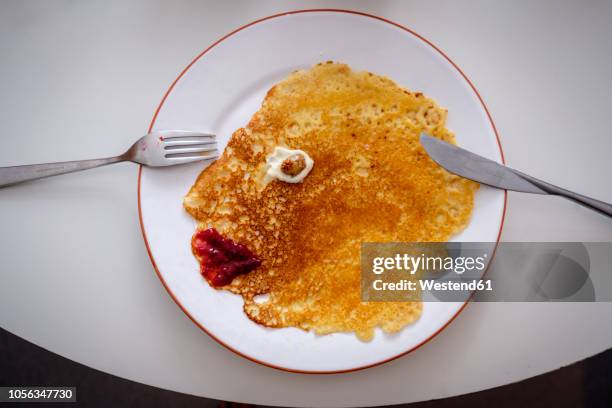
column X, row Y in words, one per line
column 371, row 182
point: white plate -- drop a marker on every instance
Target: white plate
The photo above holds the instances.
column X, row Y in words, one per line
column 219, row 92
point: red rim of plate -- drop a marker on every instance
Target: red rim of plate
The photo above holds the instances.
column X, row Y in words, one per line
column 144, row 234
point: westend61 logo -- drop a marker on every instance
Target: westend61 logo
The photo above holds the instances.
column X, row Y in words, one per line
column 403, row 271
column 486, row 271
column 424, row 265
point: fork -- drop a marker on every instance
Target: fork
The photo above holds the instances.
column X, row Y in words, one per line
column 156, row 149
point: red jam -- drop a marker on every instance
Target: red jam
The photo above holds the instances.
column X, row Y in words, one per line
column 221, row 259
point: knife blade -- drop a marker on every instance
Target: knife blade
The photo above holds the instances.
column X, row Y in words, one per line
column 474, row 167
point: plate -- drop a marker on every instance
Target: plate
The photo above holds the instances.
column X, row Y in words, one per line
column 221, row 89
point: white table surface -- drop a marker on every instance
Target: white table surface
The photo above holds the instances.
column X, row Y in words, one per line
column 82, row 79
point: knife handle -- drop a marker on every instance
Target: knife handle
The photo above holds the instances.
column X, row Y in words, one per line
column 599, row 206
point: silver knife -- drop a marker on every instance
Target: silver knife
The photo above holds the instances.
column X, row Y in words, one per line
column 474, row 167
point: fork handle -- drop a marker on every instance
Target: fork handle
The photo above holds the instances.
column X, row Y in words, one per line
column 17, row 174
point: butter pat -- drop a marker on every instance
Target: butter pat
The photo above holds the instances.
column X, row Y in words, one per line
column 276, row 170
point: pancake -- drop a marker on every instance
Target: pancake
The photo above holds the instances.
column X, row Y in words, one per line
column 371, row 182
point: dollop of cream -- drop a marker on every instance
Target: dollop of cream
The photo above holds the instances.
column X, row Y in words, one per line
column 275, row 161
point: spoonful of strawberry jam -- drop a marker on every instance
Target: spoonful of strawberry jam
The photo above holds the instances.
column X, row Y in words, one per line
column 221, row 259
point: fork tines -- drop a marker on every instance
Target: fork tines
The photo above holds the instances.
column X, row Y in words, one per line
column 189, row 145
